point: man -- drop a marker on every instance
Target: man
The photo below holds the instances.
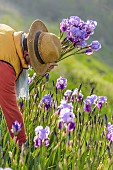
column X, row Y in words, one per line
column 18, row 50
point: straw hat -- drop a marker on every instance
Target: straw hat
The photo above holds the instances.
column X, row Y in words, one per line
column 43, row 47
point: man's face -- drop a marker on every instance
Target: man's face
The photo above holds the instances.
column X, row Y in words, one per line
column 27, row 58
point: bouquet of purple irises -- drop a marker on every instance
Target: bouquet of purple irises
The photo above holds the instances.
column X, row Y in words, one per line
column 74, row 33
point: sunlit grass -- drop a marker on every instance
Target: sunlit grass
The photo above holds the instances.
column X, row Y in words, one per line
column 84, row 148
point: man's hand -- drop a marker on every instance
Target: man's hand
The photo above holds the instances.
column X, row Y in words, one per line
column 50, row 66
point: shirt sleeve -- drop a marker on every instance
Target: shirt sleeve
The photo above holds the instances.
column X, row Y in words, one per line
column 8, row 100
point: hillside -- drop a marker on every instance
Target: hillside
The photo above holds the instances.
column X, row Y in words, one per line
column 88, row 71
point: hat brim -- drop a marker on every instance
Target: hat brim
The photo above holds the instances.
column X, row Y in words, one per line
column 36, row 26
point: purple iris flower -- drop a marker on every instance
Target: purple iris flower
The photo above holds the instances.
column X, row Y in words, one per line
column 64, row 25
column 80, row 97
column 83, row 25
column 88, row 51
column 41, row 136
column 61, row 83
column 66, row 116
column 37, row 142
column 41, row 132
column 47, row 101
column 91, row 26
column 75, row 33
column 76, row 92
column 71, row 126
column 16, row 127
column 81, row 43
column 67, row 94
column 110, row 132
column 77, row 36
column 87, row 105
column 99, row 105
column 77, row 95
column 110, row 136
column 46, row 142
column 95, row 45
column 47, row 76
column 65, row 105
column 89, row 101
column 100, row 101
column 92, row 98
column 74, row 20
column 83, row 34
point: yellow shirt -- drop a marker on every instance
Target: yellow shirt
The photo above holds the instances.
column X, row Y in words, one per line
column 11, row 48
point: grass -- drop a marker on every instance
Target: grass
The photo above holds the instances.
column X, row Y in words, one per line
column 84, row 148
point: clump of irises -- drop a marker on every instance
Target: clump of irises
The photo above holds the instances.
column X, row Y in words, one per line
column 94, row 101
column 66, row 115
column 74, row 33
column 75, row 95
column 41, row 136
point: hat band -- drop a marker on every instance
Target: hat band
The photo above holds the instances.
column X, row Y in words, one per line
column 36, row 48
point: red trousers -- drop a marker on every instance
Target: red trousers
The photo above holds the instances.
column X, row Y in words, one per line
column 8, row 100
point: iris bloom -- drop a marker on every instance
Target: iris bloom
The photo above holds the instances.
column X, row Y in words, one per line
column 72, row 95
column 66, row 117
column 64, row 104
column 87, row 105
column 74, row 32
column 110, row 132
column 95, row 45
column 71, row 126
column 89, row 101
column 100, row 101
column 61, row 83
column 68, row 94
column 64, row 25
column 16, row 127
column 77, row 95
column 94, row 100
column 47, row 101
column 41, row 136
column 47, row 77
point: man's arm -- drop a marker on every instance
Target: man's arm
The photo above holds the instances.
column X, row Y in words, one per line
column 8, row 101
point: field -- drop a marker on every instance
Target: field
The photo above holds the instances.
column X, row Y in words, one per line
column 82, row 137
column 84, row 147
